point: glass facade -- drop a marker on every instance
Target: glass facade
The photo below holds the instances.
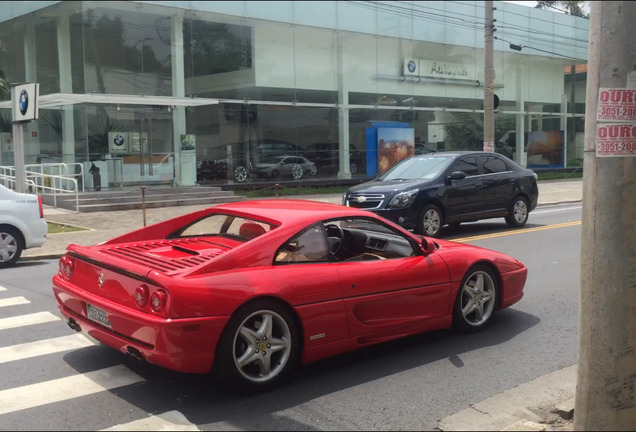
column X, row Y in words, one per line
column 284, row 87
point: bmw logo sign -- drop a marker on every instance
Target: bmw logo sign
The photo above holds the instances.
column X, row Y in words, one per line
column 411, row 66
column 118, row 140
column 24, row 102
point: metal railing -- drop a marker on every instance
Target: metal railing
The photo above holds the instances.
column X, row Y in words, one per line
column 39, row 181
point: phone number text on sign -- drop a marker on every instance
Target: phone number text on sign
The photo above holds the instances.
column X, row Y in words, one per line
column 616, row 139
column 616, row 104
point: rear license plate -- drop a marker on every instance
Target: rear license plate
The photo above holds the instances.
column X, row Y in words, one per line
column 97, row 315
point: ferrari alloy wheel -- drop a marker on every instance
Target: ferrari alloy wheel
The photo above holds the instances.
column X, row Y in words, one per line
column 259, row 347
column 10, row 246
column 297, row 172
column 430, row 221
column 476, row 300
column 240, row 174
column 518, row 215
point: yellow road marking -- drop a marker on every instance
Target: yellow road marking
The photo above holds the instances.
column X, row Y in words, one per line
column 522, row 231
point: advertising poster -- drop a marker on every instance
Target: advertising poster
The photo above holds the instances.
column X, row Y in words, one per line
column 394, row 144
column 188, row 142
column 545, row 148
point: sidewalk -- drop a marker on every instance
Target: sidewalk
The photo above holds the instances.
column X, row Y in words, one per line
column 544, row 404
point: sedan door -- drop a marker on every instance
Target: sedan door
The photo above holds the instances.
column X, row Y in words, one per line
column 464, row 197
column 498, row 184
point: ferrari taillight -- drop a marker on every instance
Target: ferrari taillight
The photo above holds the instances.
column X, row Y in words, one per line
column 66, row 267
column 41, row 207
column 141, row 296
column 158, row 300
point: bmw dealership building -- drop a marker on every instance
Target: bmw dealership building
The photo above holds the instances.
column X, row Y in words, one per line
column 153, row 92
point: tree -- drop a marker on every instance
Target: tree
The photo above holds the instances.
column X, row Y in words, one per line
column 574, row 8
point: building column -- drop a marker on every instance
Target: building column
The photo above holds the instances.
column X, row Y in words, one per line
column 185, row 165
column 564, row 127
column 30, row 139
column 344, row 172
column 66, row 86
column 521, row 156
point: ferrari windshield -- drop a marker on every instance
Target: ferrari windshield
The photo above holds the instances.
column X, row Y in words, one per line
column 417, row 167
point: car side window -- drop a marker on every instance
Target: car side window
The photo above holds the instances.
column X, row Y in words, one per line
column 309, row 246
column 468, row 165
column 493, row 164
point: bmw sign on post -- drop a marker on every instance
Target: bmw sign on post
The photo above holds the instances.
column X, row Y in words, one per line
column 24, row 98
column 24, row 107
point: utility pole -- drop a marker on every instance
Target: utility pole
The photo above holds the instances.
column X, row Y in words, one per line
column 606, row 381
column 489, row 78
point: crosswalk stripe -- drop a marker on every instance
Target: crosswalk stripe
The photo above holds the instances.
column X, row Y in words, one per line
column 43, row 347
column 13, row 301
column 62, row 389
column 168, row 421
column 25, row 320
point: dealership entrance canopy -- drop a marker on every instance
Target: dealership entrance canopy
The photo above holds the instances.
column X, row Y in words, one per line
column 56, row 100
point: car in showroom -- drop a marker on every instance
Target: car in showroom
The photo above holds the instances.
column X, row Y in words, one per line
column 22, row 224
column 425, row 192
column 295, row 167
column 250, row 291
column 235, row 161
column 326, row 156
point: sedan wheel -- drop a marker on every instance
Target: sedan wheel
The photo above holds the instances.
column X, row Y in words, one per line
column 313, row 170
column 297, row 172
column 518, row 215
column 10, row 246
column 476, row 300
column 430, row 221
column 259, row 347
column 240, row 174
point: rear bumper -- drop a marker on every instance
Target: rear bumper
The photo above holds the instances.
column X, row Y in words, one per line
column 184, row 345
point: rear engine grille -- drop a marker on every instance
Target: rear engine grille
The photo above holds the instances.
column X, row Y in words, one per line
column 142, row 253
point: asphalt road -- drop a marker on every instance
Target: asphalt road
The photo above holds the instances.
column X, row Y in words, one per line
column 65, row 382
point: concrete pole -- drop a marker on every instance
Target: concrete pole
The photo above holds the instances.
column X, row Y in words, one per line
column 489, row 78
column 606, row 382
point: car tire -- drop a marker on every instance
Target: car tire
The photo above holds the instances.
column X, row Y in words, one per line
column 431, row 221
column 312, row 171
column 518, row 214
column 259, row 348
column 353, row 168
column 477, row 299
column 240, row 174
column 297, row 172
column 11, row 246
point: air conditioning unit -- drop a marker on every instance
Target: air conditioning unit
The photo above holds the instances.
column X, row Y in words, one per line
column 411, row 67
column 118, row 143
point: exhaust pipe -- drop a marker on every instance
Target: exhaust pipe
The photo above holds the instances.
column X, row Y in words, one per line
column 134, row 354
column 74, row 325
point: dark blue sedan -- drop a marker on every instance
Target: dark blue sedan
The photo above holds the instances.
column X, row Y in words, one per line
column 426, row 192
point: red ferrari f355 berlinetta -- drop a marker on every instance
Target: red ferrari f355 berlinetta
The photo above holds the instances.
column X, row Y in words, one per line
column 250, row 290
